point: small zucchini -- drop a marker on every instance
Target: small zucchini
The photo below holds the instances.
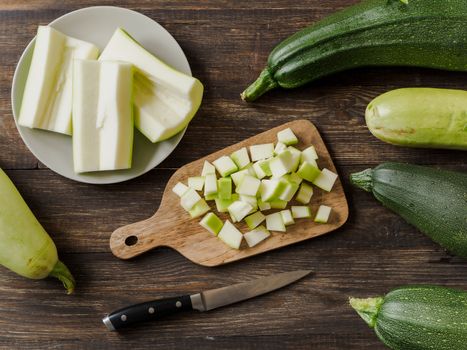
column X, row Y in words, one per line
column 420, row 117
column 417, row 318
column 433, row 200
column 424, row 33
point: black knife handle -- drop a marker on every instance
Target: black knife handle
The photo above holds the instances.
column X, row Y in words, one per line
column 148, row 311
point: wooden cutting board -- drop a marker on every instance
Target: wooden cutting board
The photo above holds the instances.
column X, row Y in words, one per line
column 171, row 225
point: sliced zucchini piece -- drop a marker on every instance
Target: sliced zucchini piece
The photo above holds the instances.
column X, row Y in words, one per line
column 260, row 152
column 254, row 220
column 238, row 210
column 256, row 236
column 278, row 204
column 309, row 154
column 287, row 217
column 224, row 188
column 210, row 184
column 282, row 164
column 322, row 216
column 222, row 205
column 305, row 193
column 196, row 182
column 199, row 209
column 225, row 166
column 325, row 180
column 179, row 189
column 300, row 212
column 308, row 171
column 212, row 223
column 189, row 199
column 241, row 158
column 248, row 186
column 280, row 147
column 238, row 176
column 287, row 137
column 274, row 222
column 230, row 235
column 208, row 168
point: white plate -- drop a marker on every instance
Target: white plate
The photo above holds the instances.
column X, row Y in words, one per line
column 96, row 25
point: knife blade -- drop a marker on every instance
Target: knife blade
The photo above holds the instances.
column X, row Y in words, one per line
column 203, row 301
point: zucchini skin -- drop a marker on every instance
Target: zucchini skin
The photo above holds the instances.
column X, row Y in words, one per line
column 433, row 200
column 418, row 317
column 423, row 33
column 420, row 117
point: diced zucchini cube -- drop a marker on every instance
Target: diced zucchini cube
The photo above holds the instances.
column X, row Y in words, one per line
column 189, row 199
column 278, row 204
column 256, row 236
column 210, row 184
column 300, row 212
column 280, row 147
column 222, row 205
column 250, row 169
column 271, row 189
column 264, row 165
column 289, row 191
column 252, row 200
column 263, row 205
column 258, row 171
column 180, row 189
column 308, row 172
column 287, row 137
column 260, row 152
column 274, row 222
column 225, row 166
column 309, row 155
column 212, row 223
column 241, row 158
column 208, row 168
column 248, row 186
column 196, row 182
column 322, row 216
column 199, row 209
column 297, row 155
column 293, row 177
column 282, row 164
column 287, row 217
column 254, row 220
column 325, row 180
column 224, row 188
column 230, row 235
column 238, row 210
column 305, row 193
column 238, row 176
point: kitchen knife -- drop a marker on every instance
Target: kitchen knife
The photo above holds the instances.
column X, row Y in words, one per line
column 203, row 301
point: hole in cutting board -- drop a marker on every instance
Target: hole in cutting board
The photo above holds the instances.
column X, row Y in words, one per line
column 131, row 240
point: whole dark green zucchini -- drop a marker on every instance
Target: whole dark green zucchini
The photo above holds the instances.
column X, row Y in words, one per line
column 424, row 33
column 417, row 318
column 433, row 200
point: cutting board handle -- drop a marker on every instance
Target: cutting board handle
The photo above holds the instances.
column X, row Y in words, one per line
column 131, row 240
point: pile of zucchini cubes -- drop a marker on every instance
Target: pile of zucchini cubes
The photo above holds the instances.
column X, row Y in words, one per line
column 266, row 178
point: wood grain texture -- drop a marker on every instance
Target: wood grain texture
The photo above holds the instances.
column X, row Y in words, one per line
column 171, row 226
column 227, row 43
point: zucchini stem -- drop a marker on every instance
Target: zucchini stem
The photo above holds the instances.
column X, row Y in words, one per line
column 61, row 272
column 264, row 83
column 368, row 309
column 363, row 179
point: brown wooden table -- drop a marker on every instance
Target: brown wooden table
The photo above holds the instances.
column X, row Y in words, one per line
column 227, row 43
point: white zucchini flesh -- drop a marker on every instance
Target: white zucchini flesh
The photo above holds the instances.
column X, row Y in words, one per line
column 165, row 99
column 237, row 177
column 304, row 193
column 308, row 171
column 287, row 217
column 262, row 151
column 199, row 209
column 309, row 154
column 282, row 164
column 47, row 97
column 274, row 222
column 259, row 172
column 287, row 137
column 239, row 209
column 252, row 200
column 179, row 189
column 300, row 212
column 248, row 186
column 256, row 236
column 189, row 199
column 102, row 115
column 263, row 206
column 241, row 158
column 289, row 191
column 212, row 223
column 322, row 215
column 210, row 184
column 325, row 180
column 196, row 182
column 208, row 168
column 280, row 147
column 230, row 235
column 225, row 166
